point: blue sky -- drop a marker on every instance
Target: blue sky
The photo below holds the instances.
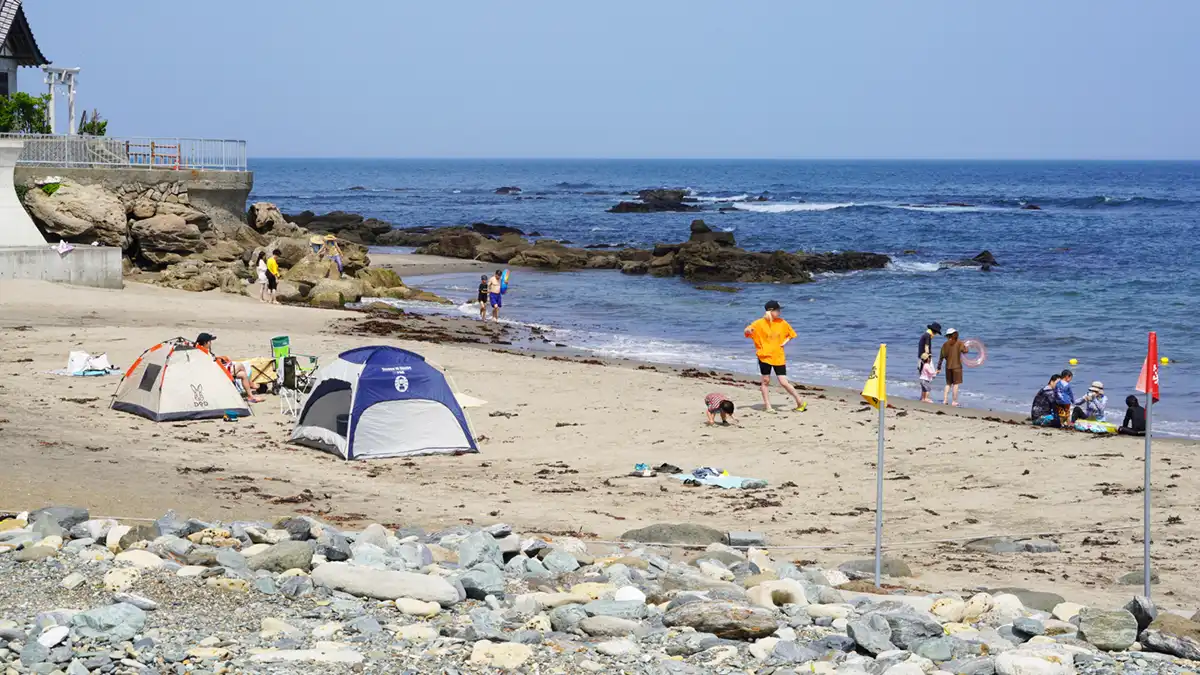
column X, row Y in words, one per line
column 655, row 78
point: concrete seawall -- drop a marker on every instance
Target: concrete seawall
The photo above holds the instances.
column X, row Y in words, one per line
column 220, row 194
column 98, row 266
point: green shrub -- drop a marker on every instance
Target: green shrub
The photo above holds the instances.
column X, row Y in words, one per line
column 21, row 113
column 22, row 189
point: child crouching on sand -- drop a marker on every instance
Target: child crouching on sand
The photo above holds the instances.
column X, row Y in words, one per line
column 716, row 404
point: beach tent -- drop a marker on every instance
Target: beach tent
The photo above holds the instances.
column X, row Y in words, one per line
column 175, row 381
column 382, row 402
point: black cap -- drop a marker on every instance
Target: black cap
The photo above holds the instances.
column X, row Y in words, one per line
column 205, row 338
column 935, row 327
column 771, row 305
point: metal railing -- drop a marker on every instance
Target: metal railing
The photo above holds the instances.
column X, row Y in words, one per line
column 111, row 152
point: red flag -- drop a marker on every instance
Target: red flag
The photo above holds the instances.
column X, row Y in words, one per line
column 1148, row 380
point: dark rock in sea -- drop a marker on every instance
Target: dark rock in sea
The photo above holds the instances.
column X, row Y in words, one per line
column 508, row 190
column 909, row 251
column 961, row 204
column 535, row 233
column 1031, row 207
column 356, row 188
column 653, row 201
column 494, row 230
column 985, row 258
column 348, row 226
column 984, row 261
column 728, row 209
column 718, row 288
column 603, row 246
column 761, row 198
column 702, row 232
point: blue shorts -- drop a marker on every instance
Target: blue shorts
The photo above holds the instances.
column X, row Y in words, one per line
column 494, row 300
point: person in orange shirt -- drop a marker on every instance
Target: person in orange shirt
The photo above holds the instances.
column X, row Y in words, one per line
column 770, row 334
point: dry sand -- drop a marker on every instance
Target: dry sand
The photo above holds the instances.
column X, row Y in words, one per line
column 558, row 440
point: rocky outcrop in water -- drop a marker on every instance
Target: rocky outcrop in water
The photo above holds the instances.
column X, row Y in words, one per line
column 985, row 261
column 653, row 201
column 707, row 256
column 350, row 227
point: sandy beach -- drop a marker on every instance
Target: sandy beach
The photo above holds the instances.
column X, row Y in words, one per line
column 558, row 440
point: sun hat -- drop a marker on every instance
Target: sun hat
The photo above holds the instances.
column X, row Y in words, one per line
column 935, row 327
column 1097, row 387
column 330, row 237
column 951, row 331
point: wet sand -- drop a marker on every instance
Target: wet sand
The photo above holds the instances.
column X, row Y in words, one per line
column 559, row 436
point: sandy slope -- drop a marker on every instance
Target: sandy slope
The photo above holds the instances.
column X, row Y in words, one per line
column 559, row 460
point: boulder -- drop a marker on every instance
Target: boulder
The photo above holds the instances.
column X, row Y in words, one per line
column 724, row 619
column 1108, row 630
column 701, row 232
column 499, row 231
column 67, row 517
column 265, row 217
column 191, row 275
column 190, row 215
column 167, row 233
column 1174, row 635
column 681, row 533
column 872, row 634
column 1144, row 611
column 284, row 556
column 508, row 190
column 80, row 214
column 116, row 622
column 653, row 201
column 335, row 293
column 379, row 277
column 311, row 270
column 348, row 227
column 385, row 584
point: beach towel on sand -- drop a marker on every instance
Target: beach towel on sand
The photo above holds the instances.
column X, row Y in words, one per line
column 725, row 481
column 82, row 364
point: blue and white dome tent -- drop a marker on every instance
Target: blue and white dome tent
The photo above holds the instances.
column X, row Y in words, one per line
column 382, row 402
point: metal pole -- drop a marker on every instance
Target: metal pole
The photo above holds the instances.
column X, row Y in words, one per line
column 879, row 496
column 1146, row 498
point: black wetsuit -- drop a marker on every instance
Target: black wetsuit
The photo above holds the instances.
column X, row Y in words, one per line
column 1135, row 421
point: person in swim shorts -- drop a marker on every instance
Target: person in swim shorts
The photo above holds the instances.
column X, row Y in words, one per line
column 483, row 297
column 951, row 355
column 494, row 299
column 770, row 334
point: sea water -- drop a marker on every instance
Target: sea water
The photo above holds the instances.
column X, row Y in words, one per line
column 1110, row 254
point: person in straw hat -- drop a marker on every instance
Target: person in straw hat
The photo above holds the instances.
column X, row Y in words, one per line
column 330, row 248
column 1094, row 404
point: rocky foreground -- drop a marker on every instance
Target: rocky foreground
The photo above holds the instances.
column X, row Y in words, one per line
column 81, row 595
column 707, row 255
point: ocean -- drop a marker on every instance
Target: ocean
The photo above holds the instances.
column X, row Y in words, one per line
column 1110, row 255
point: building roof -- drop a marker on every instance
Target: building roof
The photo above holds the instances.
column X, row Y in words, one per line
column 16, row 36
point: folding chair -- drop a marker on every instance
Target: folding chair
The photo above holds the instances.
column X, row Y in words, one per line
column 291, row 393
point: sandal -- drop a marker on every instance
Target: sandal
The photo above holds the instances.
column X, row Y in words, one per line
column 801, row 408
column 770, row 411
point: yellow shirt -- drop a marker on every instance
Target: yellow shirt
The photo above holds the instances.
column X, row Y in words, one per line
column 769, row 337
column 272, row 266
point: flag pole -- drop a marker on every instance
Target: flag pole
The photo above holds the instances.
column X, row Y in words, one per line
column 879, row 496
column 1146, row 499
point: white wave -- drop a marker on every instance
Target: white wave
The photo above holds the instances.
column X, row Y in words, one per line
column 939, row 208
column 911, row 266
column 789, row 208
column 712, row 200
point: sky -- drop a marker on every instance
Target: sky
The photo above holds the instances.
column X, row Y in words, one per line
column 1018, row 79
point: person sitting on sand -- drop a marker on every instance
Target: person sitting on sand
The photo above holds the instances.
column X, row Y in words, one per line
column 1093, row 404
column 1043, row 413
column 236, row 369
column 483, row 297
column 770, row 334
column 951, row 355
column 1135, row 418
column 716, row 404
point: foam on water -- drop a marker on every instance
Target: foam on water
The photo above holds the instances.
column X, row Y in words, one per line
column 909, row 266
column 759, row 207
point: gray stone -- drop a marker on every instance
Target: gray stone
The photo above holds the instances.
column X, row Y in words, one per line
column 1137, row 578
column 12, row 635
column 566, row 617
column 170, row 524
column 46, row 526
column 137, row 533
column 627, row 609
column 945, row 648
column 499, row 530
column 333, row 545
column 787, row 652
column 365, row 625
column 415, row 556
column 1144, row 611
column 977, row 666
column 724, row 619
column 681, row 533
column 296, row 587
column 231, row 559
column 192, row 526
column 909, row 626
column 1032, row 599
column 611, row 626
column 282, row 557
column 479, row 547
column 266, row 586
column 299, row 528
column 34, row 652
column 66, row 516
column 368, row 555
column 726, row 558
column 889, row 566
column 487, row 624
column 835, row 642
column 34, row 553
column 385, row 584
column 1028, row 627
column 872, row 633
column 482, row 580
column 142, row 603
column 560, row 562
column 170, row 546
column 692, row 642
column 1168, row 638
column 1040, row 546
column 745, row 539
column 115, row 622
column 1108, row 630
column 77, row 668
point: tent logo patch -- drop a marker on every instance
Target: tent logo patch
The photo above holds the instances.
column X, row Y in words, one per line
column 401, row 384
column 198, row 396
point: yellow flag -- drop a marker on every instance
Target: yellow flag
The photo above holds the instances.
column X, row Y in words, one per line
column 875, row 390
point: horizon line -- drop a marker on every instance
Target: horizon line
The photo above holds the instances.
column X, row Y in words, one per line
column 727, row 159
